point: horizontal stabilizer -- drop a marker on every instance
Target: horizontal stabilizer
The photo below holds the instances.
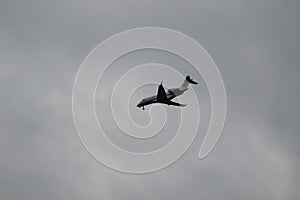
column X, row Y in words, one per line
column 188, row 78
column 186, row 83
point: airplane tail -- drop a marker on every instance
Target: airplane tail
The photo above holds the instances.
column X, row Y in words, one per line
column 186, row 83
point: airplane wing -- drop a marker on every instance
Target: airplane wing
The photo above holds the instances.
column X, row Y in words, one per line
column 176, row 104
column 161, row 94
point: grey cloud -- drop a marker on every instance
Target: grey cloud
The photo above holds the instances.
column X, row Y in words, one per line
column 254, row 43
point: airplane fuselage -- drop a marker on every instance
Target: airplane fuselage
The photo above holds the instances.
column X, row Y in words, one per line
column 171, row 94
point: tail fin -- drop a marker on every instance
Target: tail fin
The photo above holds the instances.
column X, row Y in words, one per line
column 188, row 78
column 186, row 82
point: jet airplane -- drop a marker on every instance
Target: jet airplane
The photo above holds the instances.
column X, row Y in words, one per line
column 166, row 97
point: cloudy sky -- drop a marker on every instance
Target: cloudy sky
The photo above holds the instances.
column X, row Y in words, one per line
column 256, row 47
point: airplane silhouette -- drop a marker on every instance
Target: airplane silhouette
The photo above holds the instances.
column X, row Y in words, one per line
column 166, row 97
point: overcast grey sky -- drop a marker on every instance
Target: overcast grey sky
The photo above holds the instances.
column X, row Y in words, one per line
column 256, row 47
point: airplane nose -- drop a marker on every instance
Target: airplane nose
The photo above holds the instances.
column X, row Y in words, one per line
column 140, row 104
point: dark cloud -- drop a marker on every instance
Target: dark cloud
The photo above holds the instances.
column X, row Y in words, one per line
column 256, row 47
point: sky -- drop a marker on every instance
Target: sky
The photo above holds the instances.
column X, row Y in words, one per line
column 255, row 46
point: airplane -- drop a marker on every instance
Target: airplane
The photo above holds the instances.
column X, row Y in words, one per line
column 166, row 97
